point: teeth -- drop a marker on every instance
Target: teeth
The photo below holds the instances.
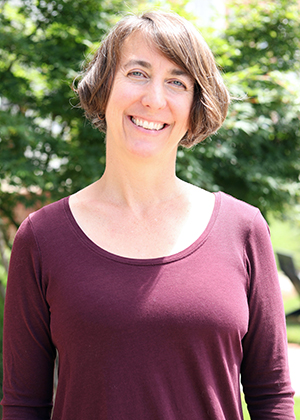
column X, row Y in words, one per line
column 147, row 125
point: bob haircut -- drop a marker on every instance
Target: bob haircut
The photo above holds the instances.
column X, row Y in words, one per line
column 177, row 40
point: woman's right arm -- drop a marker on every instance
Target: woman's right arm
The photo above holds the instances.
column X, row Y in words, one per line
column 28, row 352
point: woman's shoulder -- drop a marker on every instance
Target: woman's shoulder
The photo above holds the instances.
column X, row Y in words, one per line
column 235, row 208
column 51, row 217
column 240, row 217
column 49, row 212
column 237, row 204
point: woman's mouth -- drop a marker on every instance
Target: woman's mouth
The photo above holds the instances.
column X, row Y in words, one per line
column 148, row 125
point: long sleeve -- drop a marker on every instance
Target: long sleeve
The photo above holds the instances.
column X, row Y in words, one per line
column 28, row 352
column 155, row 339
column 265, row 373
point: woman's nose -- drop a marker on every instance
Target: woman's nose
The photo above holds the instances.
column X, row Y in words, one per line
column 154, row 96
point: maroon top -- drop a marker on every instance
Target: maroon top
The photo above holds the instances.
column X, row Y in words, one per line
column 145, row 339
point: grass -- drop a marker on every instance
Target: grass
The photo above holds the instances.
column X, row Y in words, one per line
column 293, row 332
column 297, row 408
column 292, row 327
column 285, row 236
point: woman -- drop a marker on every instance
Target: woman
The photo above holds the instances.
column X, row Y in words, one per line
column 156, row 294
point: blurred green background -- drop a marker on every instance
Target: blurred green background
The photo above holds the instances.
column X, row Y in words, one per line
column 48, row 150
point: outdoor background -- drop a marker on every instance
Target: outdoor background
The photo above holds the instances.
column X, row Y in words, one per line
column 48, row 150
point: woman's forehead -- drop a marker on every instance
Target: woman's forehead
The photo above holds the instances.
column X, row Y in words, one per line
column 139, row 39
column 140, row 48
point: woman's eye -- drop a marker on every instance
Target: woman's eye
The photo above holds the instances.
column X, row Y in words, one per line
column 136, row 73
column 178, row 83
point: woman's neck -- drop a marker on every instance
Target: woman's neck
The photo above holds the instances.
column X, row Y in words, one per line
column 140, row 182
column 135, row 189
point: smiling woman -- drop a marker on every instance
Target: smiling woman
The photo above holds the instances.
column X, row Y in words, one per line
column 149, row 104
column 179, row 42
column 157, row 296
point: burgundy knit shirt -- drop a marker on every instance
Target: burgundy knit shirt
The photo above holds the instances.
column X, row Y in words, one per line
column 145, row 339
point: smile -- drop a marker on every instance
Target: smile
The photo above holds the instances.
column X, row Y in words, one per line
column 148, row 125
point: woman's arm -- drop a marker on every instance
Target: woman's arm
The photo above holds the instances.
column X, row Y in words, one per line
column 265, row 372
column 28, row 352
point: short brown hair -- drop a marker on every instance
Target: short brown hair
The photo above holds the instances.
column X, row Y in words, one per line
column 181, row 43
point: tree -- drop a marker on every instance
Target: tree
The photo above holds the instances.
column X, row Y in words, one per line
column 256, row 155
column 48, row 150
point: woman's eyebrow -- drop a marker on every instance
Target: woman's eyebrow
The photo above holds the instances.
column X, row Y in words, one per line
column 141, row 63
column 179, row 72
column 174, row 72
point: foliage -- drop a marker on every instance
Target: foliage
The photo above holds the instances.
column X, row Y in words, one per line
column 48, row 150
column 256, row 155
column 46, row 147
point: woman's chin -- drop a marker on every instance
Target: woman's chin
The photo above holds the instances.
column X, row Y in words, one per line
column 146, row 149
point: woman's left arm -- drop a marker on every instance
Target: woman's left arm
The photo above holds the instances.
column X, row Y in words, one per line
column 265, row 372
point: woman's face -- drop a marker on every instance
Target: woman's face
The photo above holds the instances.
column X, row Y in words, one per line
column 148, row 109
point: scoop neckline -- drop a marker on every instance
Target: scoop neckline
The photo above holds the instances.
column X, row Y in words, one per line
column 142, row 261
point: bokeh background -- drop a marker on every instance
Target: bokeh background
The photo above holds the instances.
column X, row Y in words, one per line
column 48, row 150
